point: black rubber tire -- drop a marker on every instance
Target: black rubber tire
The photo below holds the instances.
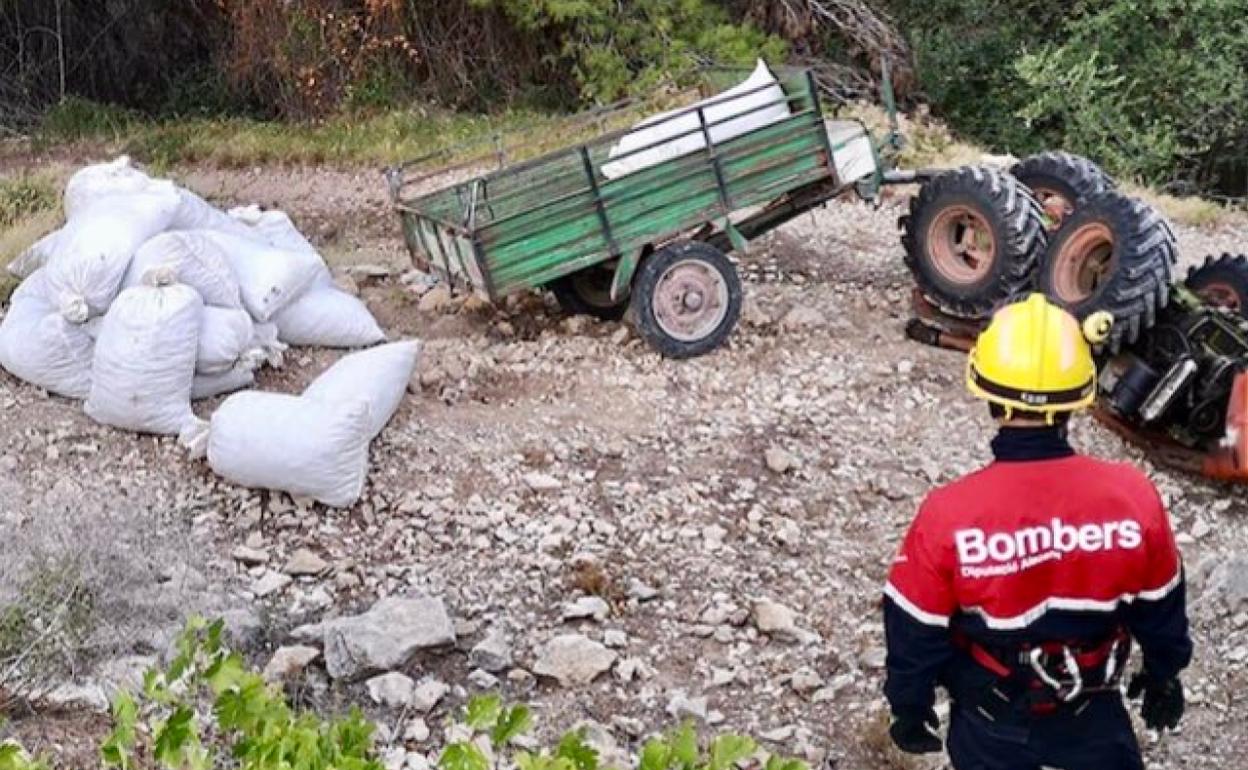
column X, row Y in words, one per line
column 577, row 299
column 1074, row 177
column 1017, row 227
column 1228, row 272
column 646, row 282
column 1140, row 270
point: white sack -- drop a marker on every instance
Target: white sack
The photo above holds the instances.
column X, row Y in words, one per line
column 268, row 277
column 34, row 257
column 684, row 134
column 329, row 317
column 198, row 262
column 95, row 247
column 145, row 358
column 297, row 445
column 224, row 335
column 276, row 229
column 209, row 385
column 102, row 180
column 378, row 375
column 195, row 213
column 41, row 347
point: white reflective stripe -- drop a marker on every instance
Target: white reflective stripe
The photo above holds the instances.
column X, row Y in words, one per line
column 1160, row 593
column 1067, row 603
column 926, row 618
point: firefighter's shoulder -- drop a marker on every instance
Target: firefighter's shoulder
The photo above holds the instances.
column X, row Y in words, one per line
column 1122, row 480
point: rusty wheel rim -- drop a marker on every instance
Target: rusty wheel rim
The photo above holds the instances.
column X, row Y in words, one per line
column 1083, row 263
column 1221, row 295
column 962, row 244
column 690, row 300
column 1056, row 206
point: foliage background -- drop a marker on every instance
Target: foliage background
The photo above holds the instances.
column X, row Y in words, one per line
column 1157, row 90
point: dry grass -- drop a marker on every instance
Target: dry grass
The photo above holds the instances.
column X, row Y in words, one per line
column 29, row 209
column 1190, row 211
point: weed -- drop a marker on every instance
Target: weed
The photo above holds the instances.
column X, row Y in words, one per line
column 591, row 579
column 1191, row 211
column 75, row 119
column 24, row 195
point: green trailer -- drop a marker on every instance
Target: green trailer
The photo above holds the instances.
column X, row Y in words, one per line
column 653, row 239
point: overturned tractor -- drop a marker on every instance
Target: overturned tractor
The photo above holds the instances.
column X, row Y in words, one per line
column 1173, row 368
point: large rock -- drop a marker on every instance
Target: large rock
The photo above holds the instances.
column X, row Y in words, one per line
column 774, row 618
column 386, row 637
column 573, row 659
column 1229, row 580
column 493, row 653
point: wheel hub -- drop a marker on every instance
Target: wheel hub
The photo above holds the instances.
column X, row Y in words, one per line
column 1083, row 263
column 690, row 300
column 1221, row 295
column 962, row 245
column 1055, row 205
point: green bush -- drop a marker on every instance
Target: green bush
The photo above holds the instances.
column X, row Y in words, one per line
column 208, row 710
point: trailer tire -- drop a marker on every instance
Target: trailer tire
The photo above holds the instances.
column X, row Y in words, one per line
column 686, row 299
column 1115, row 254
column 588, row 292
column 972, row 239
column 1222, row 282
column 1060, row 182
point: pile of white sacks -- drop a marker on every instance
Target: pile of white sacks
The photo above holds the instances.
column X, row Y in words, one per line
column 150, row 297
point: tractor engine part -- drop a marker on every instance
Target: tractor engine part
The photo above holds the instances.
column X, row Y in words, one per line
column 1132, row 388
column 1168, row 389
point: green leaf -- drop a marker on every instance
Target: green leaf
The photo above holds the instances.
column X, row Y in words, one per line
column 483, row 711
column 463, row 756
column 684, row 743
column 512, row 723
column 115, row 751
column 729, row 749
column 655, row 755
column 573, row 748
column 174, row 737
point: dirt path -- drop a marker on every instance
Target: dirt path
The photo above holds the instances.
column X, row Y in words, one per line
column 660, row 480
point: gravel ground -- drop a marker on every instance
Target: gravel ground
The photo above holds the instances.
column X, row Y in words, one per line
column 541, row 459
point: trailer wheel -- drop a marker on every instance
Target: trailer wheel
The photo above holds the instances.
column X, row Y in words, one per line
column 1060, row 181
column 686, row 299
column 1116, row 254
column 973, row 238
column 588, row 292
column 1222, row 282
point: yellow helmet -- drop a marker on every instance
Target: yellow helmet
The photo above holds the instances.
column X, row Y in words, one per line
column 1034, row 356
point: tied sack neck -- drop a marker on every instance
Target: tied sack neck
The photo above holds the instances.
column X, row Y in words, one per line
column 1023, row 444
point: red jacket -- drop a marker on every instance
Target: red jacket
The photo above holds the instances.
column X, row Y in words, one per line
column 1043, row 546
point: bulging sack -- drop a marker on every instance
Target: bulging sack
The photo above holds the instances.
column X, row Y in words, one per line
column 101, row 180
column 378, row 375
column 145, row 358
column 225, row 334
column 34, row 257
column 756, row 102
column 95, row 247
column 198, row 261
column 195, row 213
column 39, row 346
column 269, row 278
column 297, row 445
column 328, row 317
column 242, row 375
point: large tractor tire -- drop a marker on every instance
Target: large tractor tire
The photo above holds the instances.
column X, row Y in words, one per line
column 973, row 238
column 1222, row 282
column 1060, row 181
column 1116, row 254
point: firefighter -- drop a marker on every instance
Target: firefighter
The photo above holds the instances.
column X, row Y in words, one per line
column 1020, row 587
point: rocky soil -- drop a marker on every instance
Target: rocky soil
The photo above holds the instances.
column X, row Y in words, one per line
column 558, row 513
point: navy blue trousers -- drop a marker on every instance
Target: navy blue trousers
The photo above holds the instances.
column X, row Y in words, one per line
column 1100, row 737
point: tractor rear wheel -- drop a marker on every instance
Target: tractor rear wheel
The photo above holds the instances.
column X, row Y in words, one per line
column 973, row 238
column 1222, row 282
column 1115, row 254
column 686, row 299
column 588, row 292
column 1060, row 181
